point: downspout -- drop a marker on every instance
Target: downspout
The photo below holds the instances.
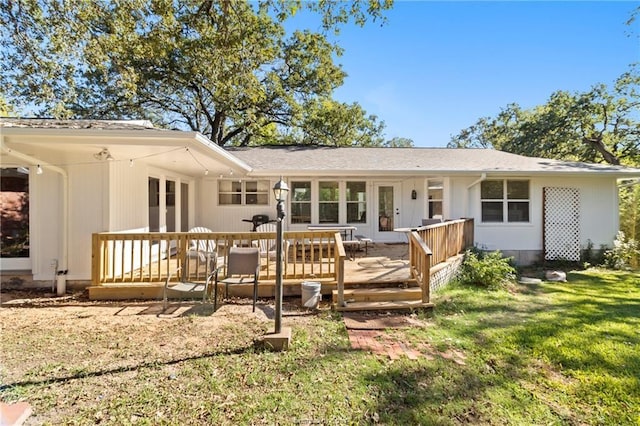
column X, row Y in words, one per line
column 483, row 177
column 61, row 281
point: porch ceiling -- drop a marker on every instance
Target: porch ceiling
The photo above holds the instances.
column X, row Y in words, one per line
column 189, row 154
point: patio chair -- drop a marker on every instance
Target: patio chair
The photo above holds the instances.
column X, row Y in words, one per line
column 191, row 288
column 201, row 247
column 243, row 267
column 267, row 246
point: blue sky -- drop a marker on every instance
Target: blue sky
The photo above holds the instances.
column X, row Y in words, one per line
column 436, row 67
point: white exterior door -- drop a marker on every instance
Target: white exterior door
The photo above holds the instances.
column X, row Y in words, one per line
column 386, row 211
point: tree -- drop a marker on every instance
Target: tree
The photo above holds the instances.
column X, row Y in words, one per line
column 5, row 108
column 333, row 123
column 399, row 143
column 225, row 68
column 601, row 125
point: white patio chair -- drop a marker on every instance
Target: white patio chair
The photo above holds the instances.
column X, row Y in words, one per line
column 268, row 246
column 201, row 247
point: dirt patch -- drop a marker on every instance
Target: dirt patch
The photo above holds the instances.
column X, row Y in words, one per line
column 107, row 335
column 79, row 352
column 361, row 321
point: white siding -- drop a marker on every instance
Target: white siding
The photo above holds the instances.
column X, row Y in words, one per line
column 127, row 193
column 412, row 211
column 227, row 218
column 45, row 210
column 87, row 210
column 598, row 214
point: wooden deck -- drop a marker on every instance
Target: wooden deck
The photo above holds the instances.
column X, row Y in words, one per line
column 136, row 266
column 384, row 264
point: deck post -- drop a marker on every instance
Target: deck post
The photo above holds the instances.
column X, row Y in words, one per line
column 426, row 279
column 339, row 268
column 96, row 255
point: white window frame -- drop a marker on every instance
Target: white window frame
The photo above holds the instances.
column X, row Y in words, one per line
column 431, row 200
column 505, row 200
column 309, row 202
column 336, row 201
column 243, row 192
column 342, row 202
column 348, row 202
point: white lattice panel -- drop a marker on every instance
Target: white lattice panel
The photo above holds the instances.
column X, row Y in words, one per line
column 561, row 224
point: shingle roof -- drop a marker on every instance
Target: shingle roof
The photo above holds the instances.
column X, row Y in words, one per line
column 46, row 123
column 331, row 160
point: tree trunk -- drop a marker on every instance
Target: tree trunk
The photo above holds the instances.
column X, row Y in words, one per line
column 600, row 147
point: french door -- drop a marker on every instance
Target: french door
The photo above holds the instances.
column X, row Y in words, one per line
column 387, row 211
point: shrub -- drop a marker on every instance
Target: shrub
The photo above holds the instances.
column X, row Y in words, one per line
column 486, row 269
column 592, row 257
column 624, row 254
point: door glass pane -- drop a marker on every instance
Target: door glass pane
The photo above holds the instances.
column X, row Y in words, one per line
column 385, row 208
column 170, row 197
column 14, row 212
column 435, row 209
column 154, row 205
column 184, row 207
column 435, row 188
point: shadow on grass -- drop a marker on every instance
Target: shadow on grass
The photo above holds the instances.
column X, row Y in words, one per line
column 583, row 328
column 124, row 369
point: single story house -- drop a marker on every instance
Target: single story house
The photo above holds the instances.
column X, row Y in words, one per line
column 63, row 180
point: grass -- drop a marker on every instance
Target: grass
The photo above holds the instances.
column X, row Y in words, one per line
column 554, row 353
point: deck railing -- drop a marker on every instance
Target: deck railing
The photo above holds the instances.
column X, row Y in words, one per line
column 433, row 244
column 125, row 258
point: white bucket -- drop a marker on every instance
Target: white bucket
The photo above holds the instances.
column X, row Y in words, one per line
column 311, row 295
column 61, row 285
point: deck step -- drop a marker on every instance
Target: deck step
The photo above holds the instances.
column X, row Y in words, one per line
column 384, row 306
column 387, row 294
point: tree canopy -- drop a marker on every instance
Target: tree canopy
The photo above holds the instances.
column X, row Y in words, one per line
column 600, row 125
column 227, row 68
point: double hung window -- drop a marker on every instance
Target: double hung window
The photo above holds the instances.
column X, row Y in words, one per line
column 329, row 202
column 301, row 202
column 356, row 202
column 246, row 192
column 505, row 200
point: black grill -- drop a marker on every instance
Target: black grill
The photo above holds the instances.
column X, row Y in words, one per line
column 257, row 220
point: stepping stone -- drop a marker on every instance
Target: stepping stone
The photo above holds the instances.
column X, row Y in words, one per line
column 14, row 414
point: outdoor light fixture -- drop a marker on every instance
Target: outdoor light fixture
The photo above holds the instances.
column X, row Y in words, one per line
column 414, row 194
column 280, row 192
column 39, row 170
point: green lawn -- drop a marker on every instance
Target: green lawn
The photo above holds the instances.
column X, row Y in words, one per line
column 555, row 353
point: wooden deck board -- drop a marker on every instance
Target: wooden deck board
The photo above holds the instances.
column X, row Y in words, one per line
column 379, row 294
column 384, row 306
column 384, row 264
